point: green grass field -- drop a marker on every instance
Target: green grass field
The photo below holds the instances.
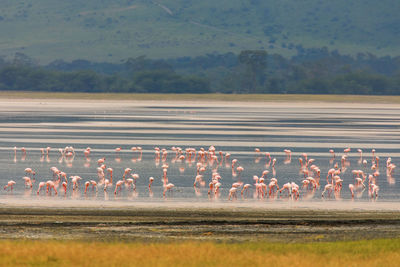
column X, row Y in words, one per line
column 204, row 97
column 80, row 253
column 112, row 30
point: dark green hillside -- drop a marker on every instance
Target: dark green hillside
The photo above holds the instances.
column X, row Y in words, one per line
column 110, row 30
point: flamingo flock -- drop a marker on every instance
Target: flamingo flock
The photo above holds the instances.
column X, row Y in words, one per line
column 204, row 160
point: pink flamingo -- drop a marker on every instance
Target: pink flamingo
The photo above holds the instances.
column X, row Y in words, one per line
column 94, row 185
column 273, row 163
column 118, row 185
column 198, row 180
column 41, row 185
column 50, row 185
column 164, row 155
column 234, row 161
column 264, row 174
column 268, row 156
column 87, row 184
column 135, row 176
column 64, row 175
column 313, row 182
column 288, row 158
column 257, row 186
column 100, row 175
column 210, row 187
column 126, row 172
column 287, row 187
column 217, row 188
column 101, row 161
column 87, row 152
column 75, row 181
column 332, row 153
column 262, row 188
column 351, row 188
column 64, row 185
column 337, row 183
column 107, row 184
column 232, row 193
column 167, row 188
column 151, row 180
column 377, row 162
column 305, row 183
column 28, row 181
column 10, row 185
column 245, row 190
column 237, row 184
column 328, row 188
column 129, row 183
column 361, row 154
column 295, row 191
column 227, row 157
column 273, row 185
column 359, row 182
column 301, row 163
column 55, row 172
column 31, row 173
column 373, row 190
column 239, row 169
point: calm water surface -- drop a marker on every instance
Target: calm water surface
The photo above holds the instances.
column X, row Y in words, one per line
column 236, row 128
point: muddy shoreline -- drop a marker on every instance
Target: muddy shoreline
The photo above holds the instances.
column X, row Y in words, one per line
column 171, row 224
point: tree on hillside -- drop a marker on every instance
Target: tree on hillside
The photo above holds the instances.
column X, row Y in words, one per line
column 256, row 63
column 142, row 63
column 20, row 59
column 160, row 81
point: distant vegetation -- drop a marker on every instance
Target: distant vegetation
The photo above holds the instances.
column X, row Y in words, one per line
column 310, row 71
column 135, row 75
column 193, row 46
column 112, row 30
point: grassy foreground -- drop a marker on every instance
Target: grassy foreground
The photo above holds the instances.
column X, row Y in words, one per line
column 204, row 97
column 382, row 252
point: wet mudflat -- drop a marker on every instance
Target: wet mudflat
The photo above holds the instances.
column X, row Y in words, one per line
column 212, row 224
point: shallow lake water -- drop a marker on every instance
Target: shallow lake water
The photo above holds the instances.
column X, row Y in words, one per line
column 235, row 128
